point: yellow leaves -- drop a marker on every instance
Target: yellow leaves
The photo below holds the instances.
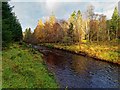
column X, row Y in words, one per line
column 40, row 23
column 84, row 41
column 77, row 47
column 52, row 19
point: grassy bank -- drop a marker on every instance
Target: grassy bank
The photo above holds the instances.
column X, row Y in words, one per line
column 107, row 52
column 23, row 67
column 0, row 69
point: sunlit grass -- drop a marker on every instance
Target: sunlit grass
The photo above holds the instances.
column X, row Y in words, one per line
column 103, row 51
column 24, row 68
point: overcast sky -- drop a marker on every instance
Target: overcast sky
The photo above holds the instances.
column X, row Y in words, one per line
column 30, row 11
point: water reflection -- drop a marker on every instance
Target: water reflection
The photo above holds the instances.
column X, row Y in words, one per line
column 78, row 66
column 55, row 61
column 80, row 72
column 99, row 74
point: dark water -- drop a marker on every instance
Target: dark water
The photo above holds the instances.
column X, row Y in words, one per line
column 75, row 71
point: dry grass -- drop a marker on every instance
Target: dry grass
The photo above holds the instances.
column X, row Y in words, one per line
column 109, row 52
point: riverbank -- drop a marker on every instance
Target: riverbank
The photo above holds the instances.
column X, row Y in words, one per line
column 104, row 52
column 24, row 67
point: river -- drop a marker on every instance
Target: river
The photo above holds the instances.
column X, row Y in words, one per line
column 77, row 71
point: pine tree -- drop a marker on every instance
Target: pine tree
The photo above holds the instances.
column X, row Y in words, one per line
column 71, row 30
column 72, row 18
column 27, row 35
column 114, row 24
column 11, row 28
column 6, row 23
column 1, row 25
column 70, row 33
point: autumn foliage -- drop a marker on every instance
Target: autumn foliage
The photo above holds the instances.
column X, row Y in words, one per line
column 78, row 27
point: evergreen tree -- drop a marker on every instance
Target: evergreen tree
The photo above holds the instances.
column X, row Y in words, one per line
column 1, row 25
column 27, row 35
column 17, row 30
column 11, row 28
column 70, row 33
column 114, row 24
column 72, row 18
column 6, row 22
column 71, row 30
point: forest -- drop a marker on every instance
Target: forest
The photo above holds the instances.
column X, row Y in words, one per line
column 91, row 27
column 90, row 33
column 78, row 52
